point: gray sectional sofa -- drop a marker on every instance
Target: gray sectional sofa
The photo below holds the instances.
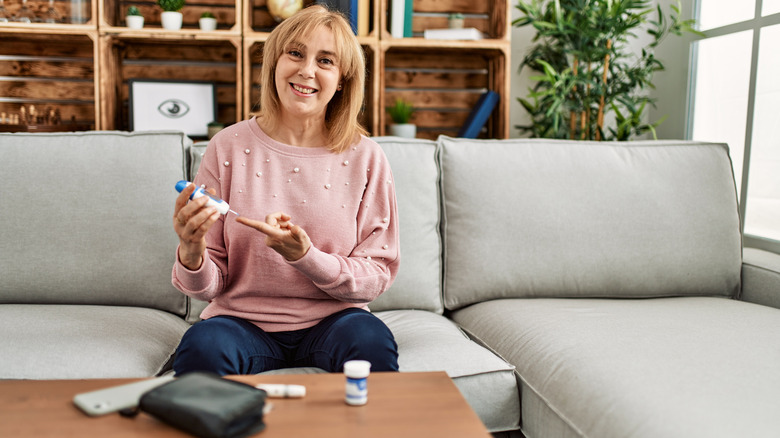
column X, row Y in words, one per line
column 570, row 289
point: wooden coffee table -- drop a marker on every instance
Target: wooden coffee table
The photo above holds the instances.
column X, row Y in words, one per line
column 402, row 405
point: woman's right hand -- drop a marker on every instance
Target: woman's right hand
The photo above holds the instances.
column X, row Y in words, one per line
column 191, row 221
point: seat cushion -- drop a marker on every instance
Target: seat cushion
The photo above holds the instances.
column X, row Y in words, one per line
column 85, row 342
column 550, row 218
column 430, row 342
column 665, row 367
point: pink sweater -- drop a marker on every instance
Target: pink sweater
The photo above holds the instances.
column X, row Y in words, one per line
column 345, row 203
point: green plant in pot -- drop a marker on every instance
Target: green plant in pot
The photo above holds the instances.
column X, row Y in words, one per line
column 134, row 19
column 592, row 84
column 171, row 16
column 401, row 113
column 207, row 22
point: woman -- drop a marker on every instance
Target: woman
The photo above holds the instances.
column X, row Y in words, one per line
column 292, row 289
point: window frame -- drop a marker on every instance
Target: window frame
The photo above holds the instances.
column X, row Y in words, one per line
column 756, row 24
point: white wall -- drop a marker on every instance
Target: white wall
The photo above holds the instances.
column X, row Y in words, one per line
column 671, row 85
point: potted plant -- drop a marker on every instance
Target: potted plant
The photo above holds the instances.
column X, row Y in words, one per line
column 134, row 19
column 455, row 20
column 207, row 22
column 592, row 83
column 400, row 114
column 171, row 16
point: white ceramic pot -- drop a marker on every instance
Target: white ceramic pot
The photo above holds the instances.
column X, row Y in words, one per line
column 407, row 130
column 171, row 20
column 208, row 24
column 134, row 21
column 455, row 23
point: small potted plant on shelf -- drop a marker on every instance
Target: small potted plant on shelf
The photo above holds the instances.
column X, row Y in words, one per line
column 455, row 20
column 207, row 22
column 400, row 114
column 171, row 16
column 134, row 19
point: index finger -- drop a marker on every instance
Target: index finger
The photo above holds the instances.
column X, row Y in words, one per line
column 260, row 226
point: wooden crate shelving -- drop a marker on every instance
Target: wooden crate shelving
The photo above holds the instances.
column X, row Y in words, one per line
column 443, row 79
column 70, row 12
column 490, row 17
column 129, row 58
column 227, row 12
column 49, row 75
column 443, row 86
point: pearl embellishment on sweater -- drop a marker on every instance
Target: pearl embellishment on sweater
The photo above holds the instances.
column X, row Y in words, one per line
column 227, row 163
column 296, row 170
column 346, row 162
column 327, row 186
column 246, row 151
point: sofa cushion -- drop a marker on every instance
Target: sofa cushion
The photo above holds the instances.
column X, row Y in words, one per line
column 551, row 218
column 415, row 170
column 664, row 367
column 87, row 218
column 85, row 342
column 431, row 342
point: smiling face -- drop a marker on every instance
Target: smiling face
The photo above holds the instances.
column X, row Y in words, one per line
column 307, row 75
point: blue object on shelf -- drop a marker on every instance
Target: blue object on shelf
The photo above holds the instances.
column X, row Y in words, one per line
column 479, row 115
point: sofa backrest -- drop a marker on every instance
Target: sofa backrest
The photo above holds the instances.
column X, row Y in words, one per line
column 415, row 168
column 87, row 218
column 546, row 218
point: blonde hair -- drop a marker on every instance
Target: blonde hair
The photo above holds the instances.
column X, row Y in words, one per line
column 341, row 117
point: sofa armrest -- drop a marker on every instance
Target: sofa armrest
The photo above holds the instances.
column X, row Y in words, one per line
column 761, row 277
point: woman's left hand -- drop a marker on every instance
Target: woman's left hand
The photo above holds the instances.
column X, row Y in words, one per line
column 289, row 240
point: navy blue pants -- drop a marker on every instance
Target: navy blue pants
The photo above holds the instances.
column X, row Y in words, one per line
column 230, row 345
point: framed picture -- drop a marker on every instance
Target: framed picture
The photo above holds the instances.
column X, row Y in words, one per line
column 186, row 106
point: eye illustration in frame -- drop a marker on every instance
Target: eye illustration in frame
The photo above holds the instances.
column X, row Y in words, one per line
column 173, row 108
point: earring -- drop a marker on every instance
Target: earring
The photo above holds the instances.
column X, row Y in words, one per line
column 339, row 88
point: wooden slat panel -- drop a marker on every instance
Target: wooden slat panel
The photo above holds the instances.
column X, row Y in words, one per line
column 186, row 51
column 48, row 90
column 444, row 79
column 415, row 59
column 48, row 69
column 208, row 73
column 46, row 45
column 440, row 119
column 262, row 20
column 447, row 6
column 435, row 99
column 226, row 113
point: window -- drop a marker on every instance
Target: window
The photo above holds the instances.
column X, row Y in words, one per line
column 735, row 98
